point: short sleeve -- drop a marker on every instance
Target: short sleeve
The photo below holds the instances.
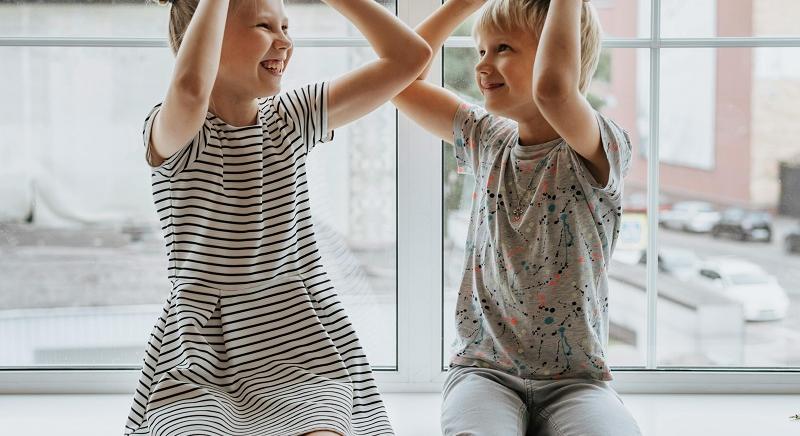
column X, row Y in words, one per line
column 308, row 108
column 617, row 146
column 184, row 157
column 475, row 131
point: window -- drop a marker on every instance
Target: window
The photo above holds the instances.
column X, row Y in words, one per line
column 723, row 114
column 83, row 266
column 706, row 86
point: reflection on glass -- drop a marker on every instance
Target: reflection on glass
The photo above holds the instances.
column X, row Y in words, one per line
column 620, row 90
column 709, row 18
column 729, row 192
column 83, row 270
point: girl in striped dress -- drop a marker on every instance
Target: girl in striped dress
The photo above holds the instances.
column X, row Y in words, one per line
column 252, row 339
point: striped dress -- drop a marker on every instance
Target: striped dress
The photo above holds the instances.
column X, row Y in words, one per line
column 252, row 339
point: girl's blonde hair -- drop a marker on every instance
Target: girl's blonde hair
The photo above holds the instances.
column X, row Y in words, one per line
column 529, row 15
column 180, row 15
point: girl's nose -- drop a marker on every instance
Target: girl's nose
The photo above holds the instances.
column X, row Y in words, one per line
column 283, row 41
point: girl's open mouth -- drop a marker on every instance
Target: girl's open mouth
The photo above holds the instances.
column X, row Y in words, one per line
column 273, row 66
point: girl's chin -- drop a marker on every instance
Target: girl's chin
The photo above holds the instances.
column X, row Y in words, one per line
column 270, row 90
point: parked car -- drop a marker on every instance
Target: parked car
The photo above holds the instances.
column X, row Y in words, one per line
column 691, row 216
column 744, row 225
column 762, row 298
column 792, row 241
column 678, row 262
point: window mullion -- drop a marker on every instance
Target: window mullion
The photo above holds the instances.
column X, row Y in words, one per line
column 651, row 361
column 420, row 235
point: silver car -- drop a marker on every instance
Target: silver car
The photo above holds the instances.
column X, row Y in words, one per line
column 690, row 216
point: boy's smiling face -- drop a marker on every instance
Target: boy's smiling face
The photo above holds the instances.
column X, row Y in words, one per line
column 504, row 72
column 256, row 47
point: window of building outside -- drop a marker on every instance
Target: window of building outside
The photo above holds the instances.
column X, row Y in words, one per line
column 83, row 271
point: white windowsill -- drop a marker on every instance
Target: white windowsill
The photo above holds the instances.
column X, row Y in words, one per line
column 417, row 414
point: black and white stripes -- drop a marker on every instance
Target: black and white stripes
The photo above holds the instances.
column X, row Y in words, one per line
column 253, row 339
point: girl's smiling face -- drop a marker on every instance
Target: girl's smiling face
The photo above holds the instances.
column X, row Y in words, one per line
column 504, row 72
column 256, row 48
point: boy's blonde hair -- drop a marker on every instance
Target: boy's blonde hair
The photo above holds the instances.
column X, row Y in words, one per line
column 529, row 15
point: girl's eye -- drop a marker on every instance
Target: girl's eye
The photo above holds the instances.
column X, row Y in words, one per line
column 268, row 27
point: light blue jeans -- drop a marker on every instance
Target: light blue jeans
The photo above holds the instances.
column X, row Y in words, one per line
column 488, row 402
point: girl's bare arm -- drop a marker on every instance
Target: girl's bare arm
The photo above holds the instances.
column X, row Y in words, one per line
column 197, row 62
column 402, row 55
column 431, row 106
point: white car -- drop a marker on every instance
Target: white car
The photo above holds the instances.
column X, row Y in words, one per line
column 678, row 262
column 691, row 216
column 762, row 298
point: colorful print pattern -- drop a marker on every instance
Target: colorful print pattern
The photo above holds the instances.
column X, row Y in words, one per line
column 533, row 300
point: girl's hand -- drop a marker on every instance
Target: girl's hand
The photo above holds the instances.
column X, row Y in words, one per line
column 432, row 106
column 402, row 56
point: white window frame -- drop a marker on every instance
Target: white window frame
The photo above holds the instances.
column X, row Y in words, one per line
column 419, row 256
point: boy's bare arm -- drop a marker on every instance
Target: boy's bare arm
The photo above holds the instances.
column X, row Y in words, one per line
column 402, row 56
column 186, row 103
column 556, row 76
column 431, row 106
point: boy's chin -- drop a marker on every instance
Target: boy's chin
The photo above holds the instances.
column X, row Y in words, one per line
column 494, row 109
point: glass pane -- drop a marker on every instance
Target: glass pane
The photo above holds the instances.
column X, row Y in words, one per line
column 83, row 18
column 144, row 18
column 619, row 19
column 83, row 265
column 620, row 90
column 729, row 190
column 709, row 18
column 457, row 196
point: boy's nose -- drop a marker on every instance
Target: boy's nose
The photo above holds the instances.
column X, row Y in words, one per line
column 483, row 67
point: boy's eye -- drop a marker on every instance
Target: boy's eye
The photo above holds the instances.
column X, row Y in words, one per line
column 503, row 47
column 481, row 52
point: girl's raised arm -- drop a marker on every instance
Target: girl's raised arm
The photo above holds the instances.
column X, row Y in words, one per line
column 431, row 106
column 402, row 56
column 197, row 62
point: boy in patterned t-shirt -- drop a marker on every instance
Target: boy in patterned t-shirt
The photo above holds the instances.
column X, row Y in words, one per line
column 532, row 309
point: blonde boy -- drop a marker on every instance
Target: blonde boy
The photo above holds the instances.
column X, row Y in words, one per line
column 532, row 309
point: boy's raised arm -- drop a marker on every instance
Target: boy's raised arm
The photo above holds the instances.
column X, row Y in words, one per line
column 402, row 56
column 556, row 77
column 431, row 106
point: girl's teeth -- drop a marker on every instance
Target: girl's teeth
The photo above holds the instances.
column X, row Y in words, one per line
column 273, row 65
